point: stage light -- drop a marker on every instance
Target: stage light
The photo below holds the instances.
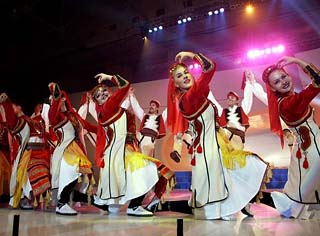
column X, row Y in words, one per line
column 160, row 27
column 190, row 67
column 184, row 20
column 216, row 12
column 262, row 53
column 221, row 10
column 210, row 13
column 179, row 22
column 280, row 48
column 150, row 30
column 249, row 9
column 155, row 29
column 189, row 18
column 268, row 50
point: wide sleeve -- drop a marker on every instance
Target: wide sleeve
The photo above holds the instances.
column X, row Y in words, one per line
column 259, row 93
column 138, row 111
column 246, row 102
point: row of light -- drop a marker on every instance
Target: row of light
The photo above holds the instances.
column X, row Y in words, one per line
column 216, row 12
column 259, row 53
column 186, row 20
column 194, row 66
column 156, row 28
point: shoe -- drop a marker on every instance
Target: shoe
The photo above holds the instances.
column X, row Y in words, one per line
column 65, row 209
column 246, row 210
column 175, row 156
column 152, row 206
column 25, row 204
column 101, row 207
column 138, row 211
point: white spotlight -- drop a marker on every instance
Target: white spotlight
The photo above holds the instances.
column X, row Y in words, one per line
column 210, row 13
column 189, row 18
column 216, row 12
column 150, row 30
column 221, row 9
column 155, row 29
column 160, row 27
column 184, row 20
column 179, row 22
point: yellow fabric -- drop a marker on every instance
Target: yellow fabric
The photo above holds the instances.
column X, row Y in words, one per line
column 135, row 160
column 74, row 155
column 232, row 158
column 5, row 173
column 21, row 177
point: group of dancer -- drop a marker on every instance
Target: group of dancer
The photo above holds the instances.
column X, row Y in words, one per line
column 44, row 156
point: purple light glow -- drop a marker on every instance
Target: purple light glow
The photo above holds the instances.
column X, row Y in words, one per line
column 259, row 53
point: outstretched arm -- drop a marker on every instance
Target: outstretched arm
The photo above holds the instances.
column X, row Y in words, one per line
column 138, row 111
column 246, row 103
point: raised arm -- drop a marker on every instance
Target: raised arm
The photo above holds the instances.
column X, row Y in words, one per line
column 138, row 111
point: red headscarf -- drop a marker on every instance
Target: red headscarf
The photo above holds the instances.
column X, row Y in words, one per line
column 176, row 122
column 275, row 124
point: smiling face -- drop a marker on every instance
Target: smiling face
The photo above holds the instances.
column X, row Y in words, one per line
column 153, row 108
column 232, row 100
column 280, row 81
column 101, row 95
column 182, row 78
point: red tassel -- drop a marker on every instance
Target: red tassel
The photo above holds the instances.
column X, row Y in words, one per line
column 190, row 151
column 305, row 163
column 199, row 149
column 298, row 154
column 193, row 161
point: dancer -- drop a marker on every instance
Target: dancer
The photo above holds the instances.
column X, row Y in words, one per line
column 71, row 170
column 124, row 176
column 301, row 192
column 152, row 125
column 5, row 167
column 217, row 191
column 20, row 188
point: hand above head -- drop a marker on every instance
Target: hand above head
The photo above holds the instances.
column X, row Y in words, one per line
column 102, row 77
column 182, row 56
column 284, row 61
column 249, row 76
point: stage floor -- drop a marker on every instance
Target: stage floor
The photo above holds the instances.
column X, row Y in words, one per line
column 91, row 221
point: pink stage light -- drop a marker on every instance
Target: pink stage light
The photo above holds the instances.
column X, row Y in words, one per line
column 190, row 67
column 260, row 53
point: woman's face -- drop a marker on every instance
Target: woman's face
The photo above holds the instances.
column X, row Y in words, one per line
column 280, row 81
column 182, row 78
column 101, row 95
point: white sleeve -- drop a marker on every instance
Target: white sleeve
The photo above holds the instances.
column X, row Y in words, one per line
column 83, row 111
column 45, row 115
column 164, row 115
column 138, row 111
column 246, row 103
column 92, row 109
column 215, row 102
column 259, row 92
column 126, row 103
